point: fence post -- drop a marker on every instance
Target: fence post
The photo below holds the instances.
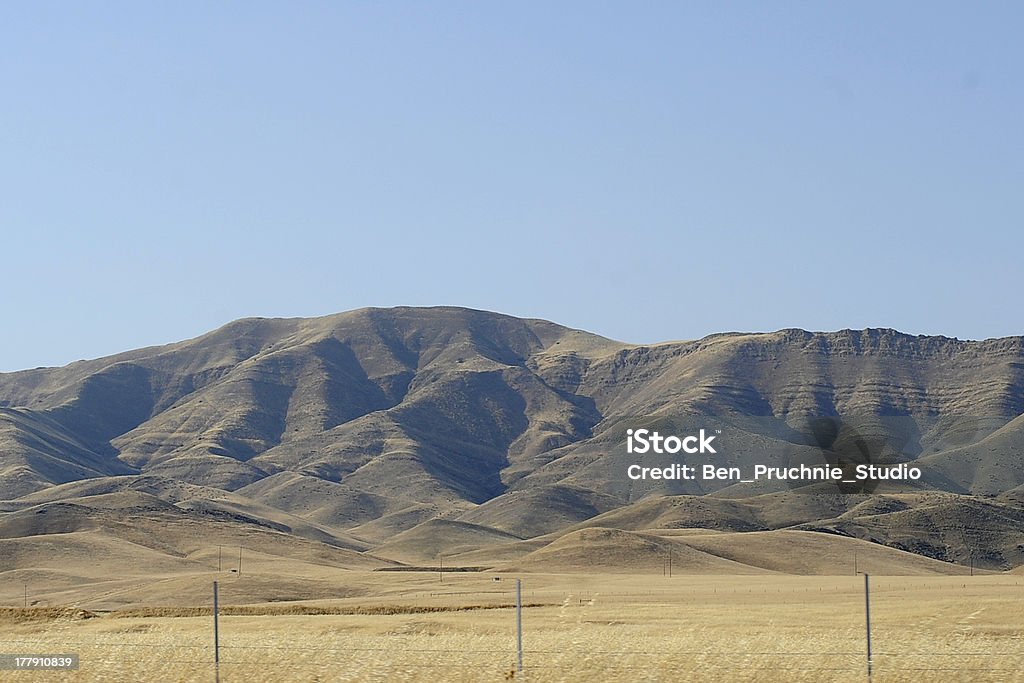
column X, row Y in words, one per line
column 216, row 636
column 867, row 618
column 519, row 625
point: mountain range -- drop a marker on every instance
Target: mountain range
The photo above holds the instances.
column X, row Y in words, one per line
column 392, row 436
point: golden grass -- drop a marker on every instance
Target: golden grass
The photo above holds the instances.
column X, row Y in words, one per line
column 607, row 628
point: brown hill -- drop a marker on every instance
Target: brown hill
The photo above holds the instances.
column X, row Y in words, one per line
column 445, row 430
column 425, row 543
column 617, row 551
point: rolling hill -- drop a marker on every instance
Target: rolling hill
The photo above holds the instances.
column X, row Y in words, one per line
column 394, row 435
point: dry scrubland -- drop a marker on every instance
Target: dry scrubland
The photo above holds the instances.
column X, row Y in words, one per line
column 576, row 628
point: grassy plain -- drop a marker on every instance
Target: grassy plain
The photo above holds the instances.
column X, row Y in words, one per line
column 414, row 627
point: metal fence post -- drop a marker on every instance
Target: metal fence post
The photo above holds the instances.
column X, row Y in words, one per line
column 867, row 618
column 216, row 636
column 519, row 625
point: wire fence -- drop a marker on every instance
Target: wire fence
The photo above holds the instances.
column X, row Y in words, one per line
column 572, row 635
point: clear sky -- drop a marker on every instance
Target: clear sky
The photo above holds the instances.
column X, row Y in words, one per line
column 644, row 170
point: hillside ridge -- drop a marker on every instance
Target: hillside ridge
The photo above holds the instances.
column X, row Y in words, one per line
column 378, row 420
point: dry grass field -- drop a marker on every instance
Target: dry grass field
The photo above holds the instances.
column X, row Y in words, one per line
column 410, row 626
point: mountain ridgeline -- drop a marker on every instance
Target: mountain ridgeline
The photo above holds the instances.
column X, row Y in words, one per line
column 396, row 429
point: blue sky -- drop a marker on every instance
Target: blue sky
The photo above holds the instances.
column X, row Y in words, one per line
column 647, row 171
